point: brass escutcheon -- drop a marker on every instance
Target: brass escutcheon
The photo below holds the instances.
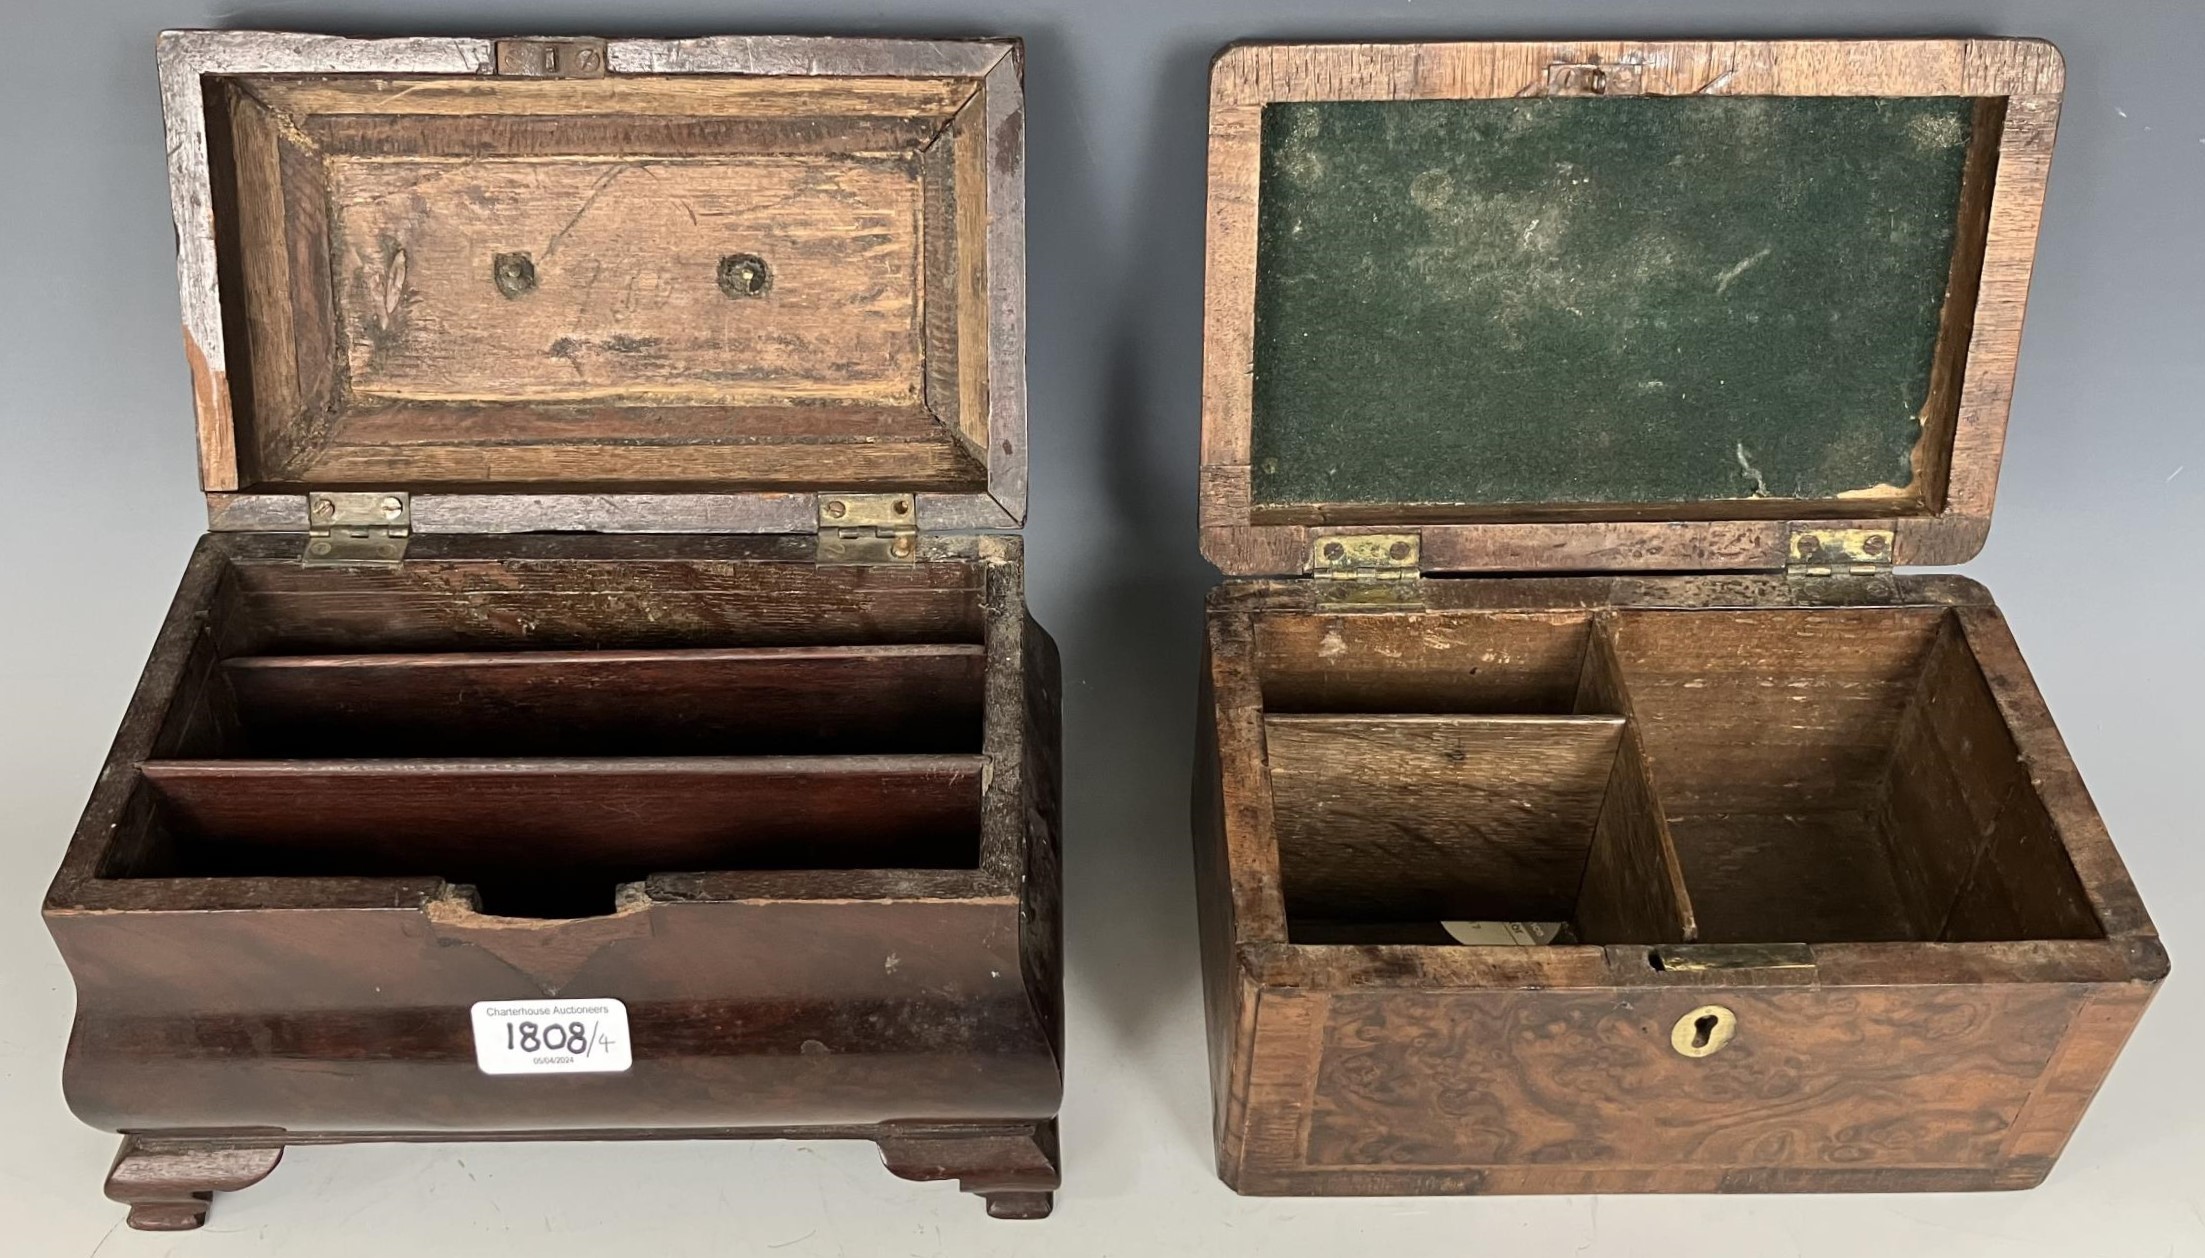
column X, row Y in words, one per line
column 1703, row 1031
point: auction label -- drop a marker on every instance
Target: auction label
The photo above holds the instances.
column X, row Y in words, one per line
column 545, row 1037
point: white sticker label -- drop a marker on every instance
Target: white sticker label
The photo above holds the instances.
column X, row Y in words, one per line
column 547, row 1037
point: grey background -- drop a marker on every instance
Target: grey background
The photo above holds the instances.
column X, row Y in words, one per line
column 2102, row 515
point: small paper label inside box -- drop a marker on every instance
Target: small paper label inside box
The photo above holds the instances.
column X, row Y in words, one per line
column 537, row 1037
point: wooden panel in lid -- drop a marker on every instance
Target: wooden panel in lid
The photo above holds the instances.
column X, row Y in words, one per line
column 1604, row 306
column 624, row 285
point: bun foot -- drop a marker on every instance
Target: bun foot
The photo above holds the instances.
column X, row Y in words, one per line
column 169, row 1183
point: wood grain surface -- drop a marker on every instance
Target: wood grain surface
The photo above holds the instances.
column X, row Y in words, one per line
column 1425, row 818
column 627, row 303
column 1499, row 664
column 1633, row 889
column 1815, row 1079
column 343, row 205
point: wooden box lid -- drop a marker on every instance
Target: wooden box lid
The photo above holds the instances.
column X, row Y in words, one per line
column 625, row 285
column 1614, row 306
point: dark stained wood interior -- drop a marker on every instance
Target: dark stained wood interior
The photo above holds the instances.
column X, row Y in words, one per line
column 1770, row 733
column 1792, row 774
column 567, row 717
column 714, row 701
column 551, row 838
column 1998, row 871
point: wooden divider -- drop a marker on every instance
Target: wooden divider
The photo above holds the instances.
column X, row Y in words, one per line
column 1633, row 889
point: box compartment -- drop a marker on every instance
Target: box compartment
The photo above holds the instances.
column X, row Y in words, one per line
column 719, row 701
column 800, row 818
column 613, row 451
column 1824, row 931
column 1793, row 770
column 543, row 780
column 1570, row 412
column 1453, row 768
column 1842, row 775
column 1419, row 819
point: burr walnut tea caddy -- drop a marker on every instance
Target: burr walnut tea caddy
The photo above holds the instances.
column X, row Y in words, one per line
column 612, row 609
column 1567, row 411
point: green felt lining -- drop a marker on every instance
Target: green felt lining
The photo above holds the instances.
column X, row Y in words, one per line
column 1632, row 301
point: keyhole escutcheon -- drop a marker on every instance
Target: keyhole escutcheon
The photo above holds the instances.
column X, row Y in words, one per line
column 1703, row 1031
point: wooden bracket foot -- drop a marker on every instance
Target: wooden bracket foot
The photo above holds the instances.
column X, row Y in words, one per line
column 168, row 1184
column 1012, row 1166
column 1019, row 1205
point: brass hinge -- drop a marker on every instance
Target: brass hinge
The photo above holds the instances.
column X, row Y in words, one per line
column 1591, row 78
column 576, row 57
column 357, row 530
column 1838, row 566
column 868, row 528
column 1828, row 552
column 1367, row 571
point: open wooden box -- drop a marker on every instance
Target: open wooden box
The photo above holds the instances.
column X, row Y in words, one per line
column 599, row 439
column 1567, row 408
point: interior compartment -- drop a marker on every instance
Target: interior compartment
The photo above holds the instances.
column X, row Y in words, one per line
column 669, row 702
column 633, row 281
column 1488, row 662
column 1422, row 819
column 1843, row 774
column 1786, row 775
column 1436, row 768
column 553, row 838
column 545, row 729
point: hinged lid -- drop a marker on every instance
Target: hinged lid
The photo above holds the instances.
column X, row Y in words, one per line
column 633, row 285
column 1609, row 306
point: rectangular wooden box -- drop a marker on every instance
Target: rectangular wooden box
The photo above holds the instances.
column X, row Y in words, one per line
column 600, row 440
column 1829, row 906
